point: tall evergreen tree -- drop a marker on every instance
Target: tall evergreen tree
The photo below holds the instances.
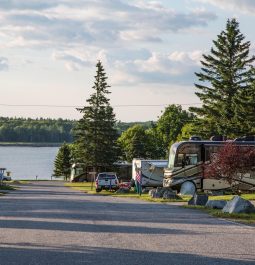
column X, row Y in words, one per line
column 225, row 73
column 62, row 163
column 95, row 133
column 245, row 110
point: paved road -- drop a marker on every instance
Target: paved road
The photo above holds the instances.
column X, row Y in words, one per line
column 46, row 223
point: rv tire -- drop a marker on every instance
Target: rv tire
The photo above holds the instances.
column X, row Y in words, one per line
column 188, row 188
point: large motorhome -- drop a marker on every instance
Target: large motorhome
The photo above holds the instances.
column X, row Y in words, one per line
column 185, row 166
column 152, row 171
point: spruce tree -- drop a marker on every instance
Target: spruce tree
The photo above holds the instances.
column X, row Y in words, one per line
column 245, row 110
column 225, row 73
column 62, row 164
column 95, row 132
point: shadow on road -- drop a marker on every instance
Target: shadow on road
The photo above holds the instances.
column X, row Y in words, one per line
column 112, row 256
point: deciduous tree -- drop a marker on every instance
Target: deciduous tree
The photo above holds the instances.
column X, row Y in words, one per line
column 231, row 163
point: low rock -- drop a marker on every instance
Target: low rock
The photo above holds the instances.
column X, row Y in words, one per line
column 151, row 192
column 216, row 204
column 170, row 194
column 146, row 190
column 238, row 205
column 122, row 190
column 198, row 199
column 156, row 195
column 161, row 190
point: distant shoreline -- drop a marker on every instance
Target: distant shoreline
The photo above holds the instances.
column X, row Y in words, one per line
column 31, row 144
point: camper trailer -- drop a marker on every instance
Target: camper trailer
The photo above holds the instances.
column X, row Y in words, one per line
column 151, row 172
column 185, row 167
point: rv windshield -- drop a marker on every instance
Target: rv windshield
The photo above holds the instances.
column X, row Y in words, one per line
column 188, row 154
column 171, row 157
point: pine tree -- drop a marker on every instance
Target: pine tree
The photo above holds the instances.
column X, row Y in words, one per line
column 62, row 164
column 245, row 110
column 225, row 73
column 95, row 133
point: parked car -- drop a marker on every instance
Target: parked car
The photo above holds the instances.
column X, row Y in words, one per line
column 4, row 177
column 107, row 181
column 126, row 185
column 7, row 178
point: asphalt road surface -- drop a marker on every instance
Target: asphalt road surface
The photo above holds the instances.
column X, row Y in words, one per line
column 46, row 223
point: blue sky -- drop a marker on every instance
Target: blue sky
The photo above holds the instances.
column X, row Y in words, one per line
column 150, row 50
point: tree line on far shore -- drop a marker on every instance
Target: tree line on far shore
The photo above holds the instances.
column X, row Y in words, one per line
column 27, row 130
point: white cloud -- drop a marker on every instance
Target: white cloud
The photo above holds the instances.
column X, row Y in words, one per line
column 173, row 68
column 246, row 6
column 80, row 32
column 4, row 64
column 96, row 23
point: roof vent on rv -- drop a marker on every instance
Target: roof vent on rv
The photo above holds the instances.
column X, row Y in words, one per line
column 195, row 138
column 248, row 138
column 218, row 138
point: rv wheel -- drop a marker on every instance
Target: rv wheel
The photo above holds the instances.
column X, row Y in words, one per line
column 188, row 188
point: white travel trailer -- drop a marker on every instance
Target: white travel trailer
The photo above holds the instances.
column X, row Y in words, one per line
column 151, row 171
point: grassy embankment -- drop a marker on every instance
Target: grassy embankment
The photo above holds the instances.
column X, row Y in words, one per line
column 240, row 217
column 88, row 188
column 5, row 188
column 10, row 185
column 244, row 218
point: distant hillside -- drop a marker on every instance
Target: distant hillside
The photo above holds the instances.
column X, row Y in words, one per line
column 35, row 130
column 41, row 130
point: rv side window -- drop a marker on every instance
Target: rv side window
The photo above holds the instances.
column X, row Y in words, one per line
column 210, row 152
column 180, row 159
column 191, row 159
column 187, row 159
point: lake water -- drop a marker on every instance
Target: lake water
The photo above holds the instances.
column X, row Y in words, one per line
column 28, row 162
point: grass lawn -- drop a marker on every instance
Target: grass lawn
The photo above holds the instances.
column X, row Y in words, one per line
column 250, row 197
column 17, row 182
column 6, row 187
column 88, row 188
column 241, row 217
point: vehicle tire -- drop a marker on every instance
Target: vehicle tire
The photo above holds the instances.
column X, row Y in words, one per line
column 98, row 190
column 188, row 188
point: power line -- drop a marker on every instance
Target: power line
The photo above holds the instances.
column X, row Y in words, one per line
column 115, row 106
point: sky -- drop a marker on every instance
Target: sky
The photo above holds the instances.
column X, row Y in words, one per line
column 150, row 51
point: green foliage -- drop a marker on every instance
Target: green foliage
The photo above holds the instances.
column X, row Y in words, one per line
column 226, row 73
column 133, row 143
column 170, row 125
column 35, row 130
column 186, row 132
column 154, row 143
column 123, row 126
column 95, row 133
column 62, row 164
column 245, row 110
